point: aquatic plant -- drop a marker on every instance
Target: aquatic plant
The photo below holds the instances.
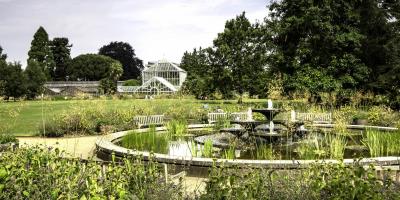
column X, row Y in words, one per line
column 265, row 152
column 177, row 127
column 230, row 153
column 148, row 141
column 336, row 144
column 380, row 143
column 194, row 148
column 207, row 150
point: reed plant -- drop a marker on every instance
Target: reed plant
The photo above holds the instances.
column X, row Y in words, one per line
column 194, row 148
column 177, row 127
column 221, row 123
column 336, row 144
column 207, row 150
column 148, row 141
column 265, row 152
column 230, row 152
column 381, row 143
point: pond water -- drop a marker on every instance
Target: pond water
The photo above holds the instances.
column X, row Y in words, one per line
column 316, row 144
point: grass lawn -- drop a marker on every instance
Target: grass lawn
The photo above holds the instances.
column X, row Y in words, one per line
column 23, row 117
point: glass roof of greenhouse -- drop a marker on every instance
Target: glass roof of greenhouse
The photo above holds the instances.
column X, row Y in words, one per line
column 163, row 65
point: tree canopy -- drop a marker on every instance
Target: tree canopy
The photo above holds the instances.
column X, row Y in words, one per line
column 61, row 50
column 40, row 52
column 12, row 80
column 36, row 79
column 125, row 54
column 3, row 56
column 334, row 46
column 93, row 67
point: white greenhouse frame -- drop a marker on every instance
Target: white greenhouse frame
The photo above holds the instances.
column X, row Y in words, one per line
column 162, row 77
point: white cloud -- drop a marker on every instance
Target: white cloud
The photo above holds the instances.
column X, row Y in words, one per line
column 155, row 29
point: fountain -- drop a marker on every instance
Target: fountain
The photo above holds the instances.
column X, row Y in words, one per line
column 249, row 139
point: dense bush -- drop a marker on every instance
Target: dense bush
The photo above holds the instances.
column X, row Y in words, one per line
column 321, row 181
column 43, row 174
column 7, row 138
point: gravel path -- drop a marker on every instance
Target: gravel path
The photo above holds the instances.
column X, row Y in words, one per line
column 81, row 147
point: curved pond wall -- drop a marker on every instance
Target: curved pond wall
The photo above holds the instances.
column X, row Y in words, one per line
column 105, row 147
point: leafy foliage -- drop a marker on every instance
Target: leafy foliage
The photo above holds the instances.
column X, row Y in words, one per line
column 320, row 181
column 12, row 80
column 40, row 52
column 36, row 79
column 2, row 55
column 93, row 67
column 124, row 53
column 43, row 174
column 61, row 50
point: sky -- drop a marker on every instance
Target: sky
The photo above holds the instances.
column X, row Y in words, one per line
column 156, row 29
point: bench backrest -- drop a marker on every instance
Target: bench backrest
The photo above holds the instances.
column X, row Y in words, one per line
column 239, row 116
column 314, row 117
column 146, row 120
column 214, row 117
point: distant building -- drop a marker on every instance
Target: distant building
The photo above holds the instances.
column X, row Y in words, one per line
column 71, row 88
column 160, row 77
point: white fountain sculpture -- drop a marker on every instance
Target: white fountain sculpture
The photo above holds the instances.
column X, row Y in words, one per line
column 249, row 114
column 271, row 127
column 269, row 104
column 292, row 116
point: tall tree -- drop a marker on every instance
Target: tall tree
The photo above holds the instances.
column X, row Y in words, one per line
column 93, row 67
column 90, row 67
column 12, row 80
column 199, row 81
column 240, row 49
column 124, row 53
column 36, row 79
column 61, row 50
column 41, row 53
column 2, row 55
column 318, row 45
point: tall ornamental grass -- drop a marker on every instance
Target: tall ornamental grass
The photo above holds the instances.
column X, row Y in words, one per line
column 380, row 143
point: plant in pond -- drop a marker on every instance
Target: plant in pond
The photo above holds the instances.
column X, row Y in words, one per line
column 311, row 148
column 265, row 152
column 230, row 152
column 147, row 141
column 177, row 127
column 194, row 148
column 221, row 123
column 393, row 147
column 336, row 144
column 207, row 150
column 380, row 143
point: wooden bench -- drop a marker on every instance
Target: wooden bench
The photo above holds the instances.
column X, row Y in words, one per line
column 147, row 120
column 317, row 118
column 214, row 117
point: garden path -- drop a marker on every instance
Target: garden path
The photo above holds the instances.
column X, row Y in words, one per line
column 80, row 147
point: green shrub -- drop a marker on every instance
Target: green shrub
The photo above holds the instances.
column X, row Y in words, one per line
column 7, row 138
column 38, row 173
column 320, row 181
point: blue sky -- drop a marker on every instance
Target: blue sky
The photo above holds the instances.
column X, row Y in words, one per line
column 156, row 29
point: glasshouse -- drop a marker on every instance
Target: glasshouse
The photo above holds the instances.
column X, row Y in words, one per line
column 158, row 78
